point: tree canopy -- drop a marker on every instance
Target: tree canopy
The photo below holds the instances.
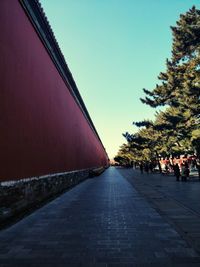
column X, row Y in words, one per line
column 176, row 130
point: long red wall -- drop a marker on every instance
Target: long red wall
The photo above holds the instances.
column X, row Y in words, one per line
column 42, row 128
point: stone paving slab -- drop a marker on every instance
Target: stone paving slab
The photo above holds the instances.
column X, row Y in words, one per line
column 102, row 222
column 178, row 202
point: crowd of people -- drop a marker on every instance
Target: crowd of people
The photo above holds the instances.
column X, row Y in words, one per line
column 179, row 167
column 147, row 167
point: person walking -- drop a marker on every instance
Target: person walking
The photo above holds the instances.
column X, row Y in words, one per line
column 198, row 167
column 166, row 169
column 183, row 175
column 151, row 167
column 187, row 171
column 146, row 167
column 141, row 167
column 177, row 172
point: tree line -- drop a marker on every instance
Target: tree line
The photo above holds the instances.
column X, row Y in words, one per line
column 176, row 129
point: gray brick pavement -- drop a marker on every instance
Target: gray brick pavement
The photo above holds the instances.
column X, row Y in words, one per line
column 102, row 222
column 178, row 202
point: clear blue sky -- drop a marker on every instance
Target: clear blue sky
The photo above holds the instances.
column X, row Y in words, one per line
column 114, row 48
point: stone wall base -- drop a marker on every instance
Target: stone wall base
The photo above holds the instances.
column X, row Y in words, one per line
column 19, row 197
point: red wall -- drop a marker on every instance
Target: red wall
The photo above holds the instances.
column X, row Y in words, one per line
column 42, row 129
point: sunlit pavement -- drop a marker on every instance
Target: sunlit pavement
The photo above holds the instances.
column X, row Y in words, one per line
column 101, row 222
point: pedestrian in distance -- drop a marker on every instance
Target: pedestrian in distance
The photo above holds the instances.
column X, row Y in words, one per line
column 135, row 165
column 166, row 169
column 187, row 171
column 198, row 168
column 183, row 173
column 151, row 167
column 177, row 172
column 146, row 167
column 141, row 167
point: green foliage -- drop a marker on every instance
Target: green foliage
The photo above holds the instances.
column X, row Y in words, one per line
column 180, row 84
column 176, row 130
column 196, row 141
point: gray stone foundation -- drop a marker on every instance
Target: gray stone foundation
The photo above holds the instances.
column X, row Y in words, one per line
column 19, row 197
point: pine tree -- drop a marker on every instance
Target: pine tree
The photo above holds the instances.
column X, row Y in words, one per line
column 176, row 130
column 179, row 86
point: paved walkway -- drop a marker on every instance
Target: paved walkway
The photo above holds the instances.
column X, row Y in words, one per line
column 177, row 202
column 102, row 222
